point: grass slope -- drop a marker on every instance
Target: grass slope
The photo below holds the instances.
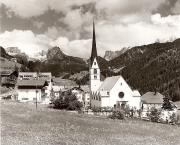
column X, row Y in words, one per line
column 22, row 124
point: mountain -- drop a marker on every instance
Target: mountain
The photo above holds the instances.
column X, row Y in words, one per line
column 58, row 63
column 4, row 54
column 8, row 62
column 109, row 55
column 152, row 67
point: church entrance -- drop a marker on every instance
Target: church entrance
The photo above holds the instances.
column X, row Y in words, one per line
column 121, row 104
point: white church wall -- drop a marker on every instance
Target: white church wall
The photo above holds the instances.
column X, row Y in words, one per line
column 135, row 102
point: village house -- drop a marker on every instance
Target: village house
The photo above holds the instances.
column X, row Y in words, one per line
column 31, row 91
column 46, row 76
column 86, row 93
column 8, row 78
column 82, row 94
column 149, row 100
column 113, row 91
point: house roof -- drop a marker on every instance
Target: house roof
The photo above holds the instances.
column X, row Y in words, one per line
column 38, row 83
column 152, row 98
column 6, row 72
column 63, row 82
column 85, row 88
column 109, row 83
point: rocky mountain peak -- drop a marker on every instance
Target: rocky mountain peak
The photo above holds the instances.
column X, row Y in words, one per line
column 55, row 53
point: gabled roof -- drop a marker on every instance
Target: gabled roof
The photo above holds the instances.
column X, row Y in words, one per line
column 109, row 83
column 152, row 98
column 6, row 72
column 33, row 83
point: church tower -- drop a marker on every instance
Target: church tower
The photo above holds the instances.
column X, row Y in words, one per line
column 94, row 67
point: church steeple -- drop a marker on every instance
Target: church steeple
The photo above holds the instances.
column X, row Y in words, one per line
column 94, row 50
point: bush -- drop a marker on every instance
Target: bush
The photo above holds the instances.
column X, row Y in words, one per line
column 96, row 109
column 67, row 102
column 154, row 114
column 120, row 114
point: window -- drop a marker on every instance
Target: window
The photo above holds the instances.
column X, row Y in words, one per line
column 107, row 93
column 95, row 71
column 94, row 63
column 25, row 99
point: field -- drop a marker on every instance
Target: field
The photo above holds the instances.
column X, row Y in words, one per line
column 23, row 124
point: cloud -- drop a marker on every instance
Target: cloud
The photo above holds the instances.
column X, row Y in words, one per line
column 78, row 48
column 38, row 24
column 28, row 8
column 26, row 41
column 171, row 20
column 118, row 8
column 116, row 36
column 176, row 8
column 33, row 8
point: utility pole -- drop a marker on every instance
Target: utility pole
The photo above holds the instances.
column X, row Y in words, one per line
column 36, row 89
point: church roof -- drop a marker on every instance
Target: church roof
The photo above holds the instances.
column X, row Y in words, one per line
column 94, row 50
column 109, row 83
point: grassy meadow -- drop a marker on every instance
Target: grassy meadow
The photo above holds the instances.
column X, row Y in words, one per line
column 22, row 124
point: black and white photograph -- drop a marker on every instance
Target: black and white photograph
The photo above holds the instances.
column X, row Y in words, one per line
column 90, row 72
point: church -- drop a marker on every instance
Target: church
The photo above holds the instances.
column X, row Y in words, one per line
column 113, row 91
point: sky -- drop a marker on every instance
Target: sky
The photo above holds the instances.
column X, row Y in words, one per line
column 36, row 25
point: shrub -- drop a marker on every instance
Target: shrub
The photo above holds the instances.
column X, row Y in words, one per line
column 74, row 105
column 173, row 118
column 154, row 114
column 167, row 104
column 120, row 114
column 96, row 109
column 68, row 101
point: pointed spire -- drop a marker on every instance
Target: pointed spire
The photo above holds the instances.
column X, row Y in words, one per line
column 94, row 50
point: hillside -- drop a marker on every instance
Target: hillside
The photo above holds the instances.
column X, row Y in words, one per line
column 152, row 67
column 109, row 55
column 6, row 62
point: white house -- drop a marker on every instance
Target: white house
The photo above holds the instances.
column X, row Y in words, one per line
column 149, row 100
column 30, row 90
column 113, row 91
column 46, row 76
column 82, row 95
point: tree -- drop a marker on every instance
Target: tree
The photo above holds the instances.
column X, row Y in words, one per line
column 68, row 101
column 166, row 104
